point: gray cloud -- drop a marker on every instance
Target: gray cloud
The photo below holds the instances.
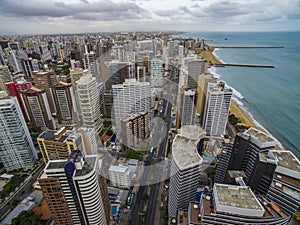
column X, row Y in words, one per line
column 84, row 10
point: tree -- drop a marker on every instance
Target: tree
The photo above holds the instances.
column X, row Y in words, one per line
column 131, row 154
column 233, row 119
column 28, row 218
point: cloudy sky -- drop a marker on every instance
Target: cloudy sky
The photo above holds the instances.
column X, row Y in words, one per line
column 71, row 16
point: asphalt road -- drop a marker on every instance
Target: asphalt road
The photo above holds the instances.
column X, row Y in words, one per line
column 21, row 193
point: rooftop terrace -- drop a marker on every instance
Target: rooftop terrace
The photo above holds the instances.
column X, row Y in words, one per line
column 236, row 196
column 192, row 132
column 184, row 151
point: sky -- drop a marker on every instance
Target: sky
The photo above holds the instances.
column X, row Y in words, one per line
column 75, row 16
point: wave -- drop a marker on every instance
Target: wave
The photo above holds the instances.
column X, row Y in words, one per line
column 213, row 71
column 215, row 55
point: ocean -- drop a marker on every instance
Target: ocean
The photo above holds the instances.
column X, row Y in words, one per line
column 270, row 95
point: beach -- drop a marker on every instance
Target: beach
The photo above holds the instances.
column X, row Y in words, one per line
column 209, row 56
column 239, row 112
column 244, row 117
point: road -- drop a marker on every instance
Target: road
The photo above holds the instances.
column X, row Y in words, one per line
column 21, row 193
column 157, row 160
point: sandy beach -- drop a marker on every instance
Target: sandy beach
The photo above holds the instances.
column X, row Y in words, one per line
column 241, row 114
column 209, row 56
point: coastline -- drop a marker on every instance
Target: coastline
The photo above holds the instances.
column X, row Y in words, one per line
column 236, row 107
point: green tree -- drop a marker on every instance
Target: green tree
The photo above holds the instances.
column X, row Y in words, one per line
column 28, row 218
column 131, row 154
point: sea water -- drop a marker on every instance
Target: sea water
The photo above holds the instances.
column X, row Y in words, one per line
column 270, row 95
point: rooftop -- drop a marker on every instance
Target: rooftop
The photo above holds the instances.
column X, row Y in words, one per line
column 192, row 132
column 236, row 196
column 263, row 137
column 118, row 169
column 287, row 159
column 184, row 151
column 56, row 164
column 88, row 165
column 49, row 135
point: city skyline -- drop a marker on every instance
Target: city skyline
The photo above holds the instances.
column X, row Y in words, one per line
column 76, row 16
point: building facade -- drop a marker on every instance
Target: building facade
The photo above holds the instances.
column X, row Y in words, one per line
column 16, row 149
column 72, row 190
column 129, row 97
column 216, row 111
column 38, row 109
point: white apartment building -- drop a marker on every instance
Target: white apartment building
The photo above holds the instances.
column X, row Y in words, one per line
column 217, row 107
column 16, row 149
column 156, row 72
column 129, row 97
column 88, row 96
column 120, row 176
column 185, row 168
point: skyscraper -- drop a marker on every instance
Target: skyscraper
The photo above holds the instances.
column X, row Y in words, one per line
column 15, row 89
column 186, row 107
column 135, row 129
column 203, row 81
column 16, row 149
column 38, row 109
column 88, row 97
column 72, row 190
column 65, row 102
column 250, row 153
column 217, row 105
column 156, row 72
column 5, row 77
column 46, row 81
column 129, row 97
column 185, row 168
column 195, row 68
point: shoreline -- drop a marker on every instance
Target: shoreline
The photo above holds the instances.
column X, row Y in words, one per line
column 236, row 107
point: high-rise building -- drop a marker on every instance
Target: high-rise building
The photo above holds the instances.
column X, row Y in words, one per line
column 232, row 204
column 15, row 89
column 195, row 68
column 29, row 66
column 180, row 54
column 217, row 106
column 185, row 169
column 46, row 81
column 186, row 107
column 156, row 72
column 89, row 140
column 250, row 153
column 203, row 81
column 5, row 77
column 16, row 149
column 65, row 102
column 58, row 144
column 88, row 96
column 37, row 107
column 72, row 190
column 285, row 187
column 118, row 72
column 135, row 129
column 129, row 97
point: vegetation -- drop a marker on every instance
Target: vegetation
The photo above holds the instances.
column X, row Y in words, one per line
column 211, row 172
column 131, row 154
column 28, row 218
column 297, row 214
column 233, row 119
column 109, row 132
column 11, row 185
column 106, row 123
